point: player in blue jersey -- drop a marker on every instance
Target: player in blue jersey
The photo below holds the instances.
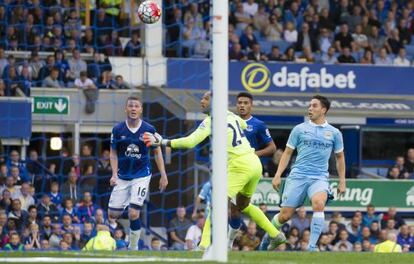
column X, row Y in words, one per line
column 256, row 132
column 314, row 141
column 131, row 168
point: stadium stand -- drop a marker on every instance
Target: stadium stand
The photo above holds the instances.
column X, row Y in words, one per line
column 56, row 202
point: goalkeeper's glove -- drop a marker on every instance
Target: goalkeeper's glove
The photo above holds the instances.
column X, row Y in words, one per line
column 154, row 140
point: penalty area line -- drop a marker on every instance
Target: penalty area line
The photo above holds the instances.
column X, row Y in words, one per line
column 94, row 260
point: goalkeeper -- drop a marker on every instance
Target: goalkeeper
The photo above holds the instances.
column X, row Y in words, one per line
column 244, row 170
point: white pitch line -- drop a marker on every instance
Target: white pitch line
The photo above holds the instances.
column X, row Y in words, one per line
column 94, row 260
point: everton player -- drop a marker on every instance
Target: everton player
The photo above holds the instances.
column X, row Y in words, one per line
column 131, row 168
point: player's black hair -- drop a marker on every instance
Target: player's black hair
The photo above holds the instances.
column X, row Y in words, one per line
column 245, row 94
column 324, row 101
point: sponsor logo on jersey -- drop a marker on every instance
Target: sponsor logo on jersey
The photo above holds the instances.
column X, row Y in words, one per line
column 133, row 151
column 328, row 135
column 249, row 128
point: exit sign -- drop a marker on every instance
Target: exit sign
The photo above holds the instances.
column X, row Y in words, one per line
column 54, row 105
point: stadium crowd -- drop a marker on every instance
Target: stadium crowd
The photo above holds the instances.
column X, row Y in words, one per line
column 312, row 31
column 60, row 203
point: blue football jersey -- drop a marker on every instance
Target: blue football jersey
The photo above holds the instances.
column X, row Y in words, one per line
column 257, row 133
column 133, row 155
column 314, row 144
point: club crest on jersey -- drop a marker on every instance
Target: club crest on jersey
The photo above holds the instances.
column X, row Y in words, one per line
column 141, row 137
column 133, row 151
column 249, row 128
column 328, row 135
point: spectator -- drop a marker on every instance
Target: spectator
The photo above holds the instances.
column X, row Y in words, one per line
column 25, row 198
column 193, row 14
column 354, row 229
column 300, row 221
column 355, row 19
column 46, row 69
column 67, row 226
column 236, row 53
column 52, row 80
column 394, row 44
column 346, row 56
column 360, row 39
column 404, row 238
column 291, row 244
column 88, row 233
column 324, row 244
column 5, row 201
column 155, row 244
column 370, row 216
column 249, row 241
column 178, row 229
column 106, row 81
column 20, row 216
column 394, row 173
column 375, row 230
column 333, row 231
column 46, row 228
column 325, row 40
column 63, row 66
column 390, row 227
column 388, row 246
column 104, row 173
column 193, row 236
column 99, row 65
column 375, row 41
column 290, row 54
column 294, row 15
column 290, row 34
column 70, row 188
column 344, row 39
column 18, row 179
column 367, row 58
column 88, row 168
column 405, row 34
column 243, row 19
column 400, row 164
column 87, row 208
column 256, row 54
column 54, row 194
column 119, row 237
column 273, row 30
column 33, row 240
column 14, row 244
column 275, row 54
column 260, row 18
column 133, row 47
column 88, row 40
column 330, row 57
column 248, row 39
column 120, row 83
column 68, row 208
column 306, row 39
column 409, row 161
column 343, row 241
column 76, row 65
column 56, row 236
column 83, row 82
column 401, row 59
column 99, row 217
column 383, row 59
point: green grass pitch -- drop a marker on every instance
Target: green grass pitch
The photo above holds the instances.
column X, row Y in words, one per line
column 195, row 257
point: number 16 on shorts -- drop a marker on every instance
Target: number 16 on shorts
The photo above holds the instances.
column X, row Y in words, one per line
column 131, row 192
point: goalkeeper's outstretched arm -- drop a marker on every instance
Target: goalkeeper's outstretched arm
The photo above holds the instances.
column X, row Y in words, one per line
column 190, row 141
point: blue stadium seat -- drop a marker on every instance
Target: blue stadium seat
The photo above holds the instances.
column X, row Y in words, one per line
column 283, row 45
column 410, row 49
column 266, row 46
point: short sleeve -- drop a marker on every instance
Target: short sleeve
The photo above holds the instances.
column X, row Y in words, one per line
column 264, row 135
column 293, row 138
column 338, row 142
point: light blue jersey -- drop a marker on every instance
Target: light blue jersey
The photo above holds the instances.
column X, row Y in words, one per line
column 205, row 193
column 309, row 175
column 314, row 144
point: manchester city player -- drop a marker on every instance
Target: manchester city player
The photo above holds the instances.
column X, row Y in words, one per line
column 256, row 131
column 314, row 141
column 244, row 168
column 131, row 168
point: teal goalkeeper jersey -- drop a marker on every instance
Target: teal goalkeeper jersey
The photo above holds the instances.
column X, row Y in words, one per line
column 237, row 143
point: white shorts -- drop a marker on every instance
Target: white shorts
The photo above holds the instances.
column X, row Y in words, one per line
column 132, row 193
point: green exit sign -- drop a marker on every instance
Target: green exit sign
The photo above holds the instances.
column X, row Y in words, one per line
column 54, row 105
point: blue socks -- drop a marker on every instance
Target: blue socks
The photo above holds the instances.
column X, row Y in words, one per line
column 317, row 224
column 135, row 224
column 235, row 223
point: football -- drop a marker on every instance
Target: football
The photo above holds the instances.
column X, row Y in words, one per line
column 149, row 12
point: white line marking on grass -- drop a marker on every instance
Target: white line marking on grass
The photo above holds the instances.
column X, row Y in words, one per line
column 94, row 260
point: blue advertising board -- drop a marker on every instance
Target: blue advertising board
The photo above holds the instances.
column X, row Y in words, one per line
column 295, row 77
column 15, row 119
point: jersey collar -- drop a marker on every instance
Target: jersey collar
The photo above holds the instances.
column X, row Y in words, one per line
column 134, row 129
column 321, row 125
